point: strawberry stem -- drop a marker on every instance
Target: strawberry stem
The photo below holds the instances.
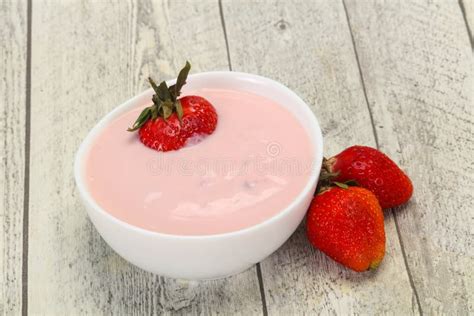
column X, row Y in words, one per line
column 327, row 177
column 165, row 100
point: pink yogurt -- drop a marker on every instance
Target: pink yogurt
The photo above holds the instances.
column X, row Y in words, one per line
column 257, row 161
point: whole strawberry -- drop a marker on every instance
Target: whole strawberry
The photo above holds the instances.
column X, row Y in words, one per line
column 373, row 170
column 347, row 225
column 171, row 121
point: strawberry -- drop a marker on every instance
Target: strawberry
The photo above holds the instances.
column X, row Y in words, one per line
column 347, row 225
column 171, row 121
column 373, row 170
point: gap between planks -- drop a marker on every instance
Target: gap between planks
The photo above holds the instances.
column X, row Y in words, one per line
column 402, row 246
column 26, row 191
column 258, row 267
column 469, row 33
column 221, row 13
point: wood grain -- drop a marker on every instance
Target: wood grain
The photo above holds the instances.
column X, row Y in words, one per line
column 13, row 51
column 307, row 46
column 417, row 65
column 89, row 56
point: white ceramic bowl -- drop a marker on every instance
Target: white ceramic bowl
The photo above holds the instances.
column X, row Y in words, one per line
column 210, row 256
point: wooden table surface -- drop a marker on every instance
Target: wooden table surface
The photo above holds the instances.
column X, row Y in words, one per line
column 393, row 74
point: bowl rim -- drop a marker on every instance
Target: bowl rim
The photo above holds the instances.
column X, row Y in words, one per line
column 87, row 141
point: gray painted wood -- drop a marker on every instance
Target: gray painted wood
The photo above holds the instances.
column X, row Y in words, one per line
column 13, row 30
column 88, row 57
column 417, row 66
column 307, row 46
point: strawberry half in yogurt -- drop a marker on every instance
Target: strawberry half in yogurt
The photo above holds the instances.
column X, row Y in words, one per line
column 170, row 121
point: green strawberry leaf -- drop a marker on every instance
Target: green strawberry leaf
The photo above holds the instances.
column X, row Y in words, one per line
column 165, row 100
column 154, row 113
column 180, row 81
column 154, row 86
column 179, row 110
column 167, row 108
column 341, row 185
column 352, row 183
column 163, row 93
column 142, row 118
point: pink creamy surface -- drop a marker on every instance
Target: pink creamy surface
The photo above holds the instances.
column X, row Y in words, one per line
column 253, row 166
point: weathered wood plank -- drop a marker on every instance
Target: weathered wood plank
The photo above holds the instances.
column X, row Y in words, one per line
column 96, row 55
column 13, row 51
column 418, row 70
column 307, row 46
